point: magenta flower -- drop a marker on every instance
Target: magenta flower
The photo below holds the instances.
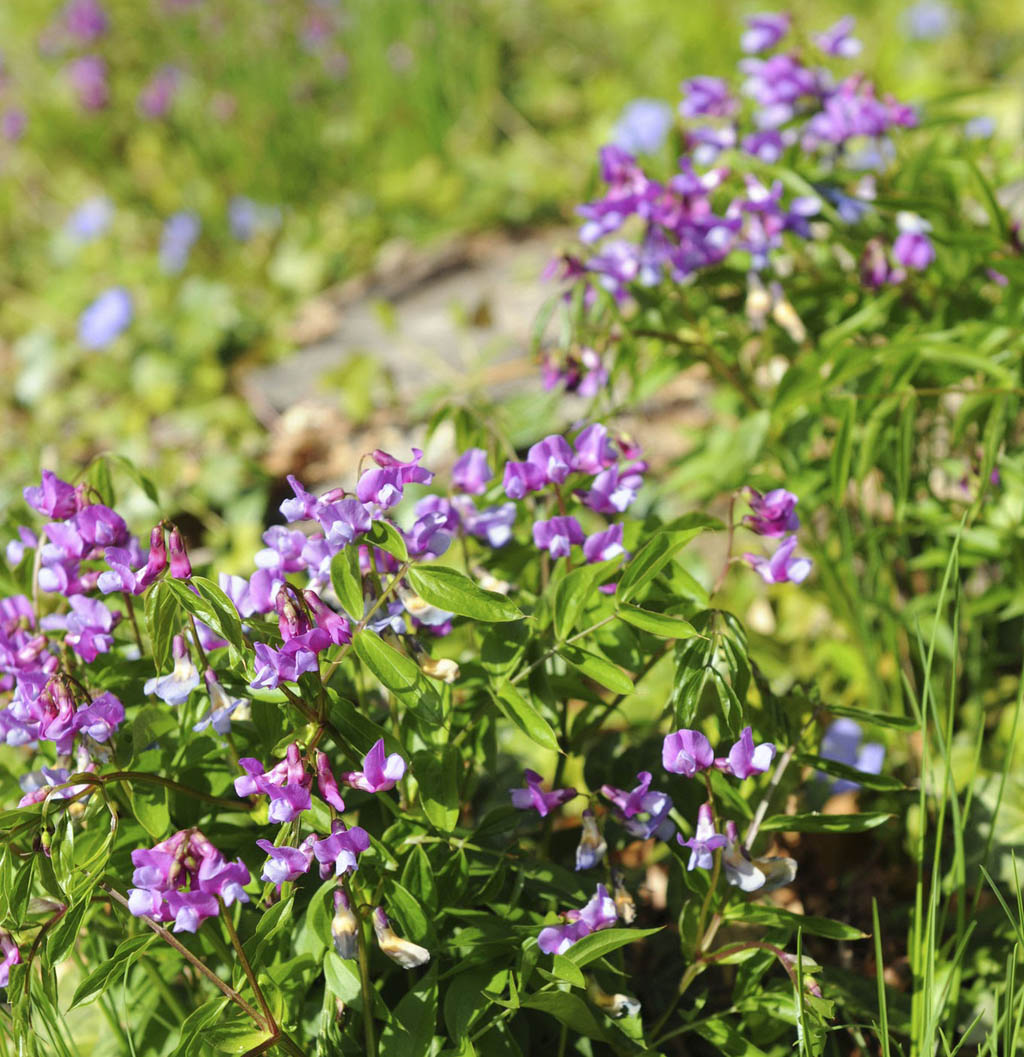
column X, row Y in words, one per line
column 88, row 77
column 326, row 782
column 594, row 451
column 334, row 624
column 384, row 485
column 522, row 477
column 88, row 626
column 913, row 248
column 599, row 913
column 836, row 40
column 782, row 567
column 643, row 811
column 603, row 546
column 773, row 513
column 341, row 849
column 287, row 784
column 11, row 956
column 284, row 863
column 297, row 656
column 85, row 20
column 704, row 841
column 379, row 772
column 746, row 759
column 533, row 797
column 471, row 472
column 553, row 457
column 686, row 752
column 557, row 535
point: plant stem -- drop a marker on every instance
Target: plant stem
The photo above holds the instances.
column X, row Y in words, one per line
column 131, row 616
column 568, row 642
column 366, row 987
column 247, row 969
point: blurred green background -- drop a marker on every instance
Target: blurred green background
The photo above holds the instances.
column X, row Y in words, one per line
column 346, row 126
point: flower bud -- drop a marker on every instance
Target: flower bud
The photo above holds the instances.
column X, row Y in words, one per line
column 624, row 905
column 592, row 845
column 785, row 315
column 759, row 302
column 407, row 955
column 344, row 926
column 441, row 668
column 181, row 567
column 157, row 561
column 616, row 1006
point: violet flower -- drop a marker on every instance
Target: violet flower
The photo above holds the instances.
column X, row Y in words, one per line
column 157, row 96
column 754, row 875
column 493, row 524
column 913, row 248
column 175, row 688
column 594, row 451
column 611, row 493
column 284, row 863
column 686, row 752
column 842, row 742
column 179, row 234
column 522, row 477
column 643, row 811
column 705, row 96
column 222, row 707
column 643, row 126
column 341, row 849
column 380, row 772
column 704, row 841
column 326, row 782
column 11, row 956
column 782, row 567
column 553, row 457
column 384, row 485
column 471, row 472
column 287, row 784
column 599, row 913
column 88, row 77
column 603, row 546
column 54, row 498
column 533, row 797
column 592, row 845
column 745, row 759
column 85, row 20
column 105, row 318
column 836, row 40
column 88, row 626
column 764, row 31
column 557, row 535
column 773, row 513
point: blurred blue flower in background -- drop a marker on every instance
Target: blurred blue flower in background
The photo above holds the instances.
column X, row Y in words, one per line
column 91, row 219
column 842, row 742
column 247, row 218
column 105, row 318
column 180, row 233
column 643, row 126
column 929, row 20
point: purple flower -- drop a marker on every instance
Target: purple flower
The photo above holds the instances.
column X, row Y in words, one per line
column 88, row 626
column 686, row 752
column 836, row 40
column 345, row 519
column 224, row 879
column 384, row 485
column 706, row 97
column 99, row 526
column 91, row 219
column 284, row 863
column 522, row 477
column 585, row 375
column 704, row 841
column 156, row 97
column 643, row 126
column 744, row 759
column 471, row 472
column 602, row 546
column 842, row 742
column 764, row 32
column 599, row 913
column 341, row 849
column 379, row 771
column 773, row 513
column 429, row 536
column 88, row 77
column 297, row 656
column 287, row 784
column 105, row 318
column 100, row 719
column 752, row 875
column 781, row 567
column 913, row 248
column 54, row 498
column 175, row 688
column 612, row 493
column 13, row 124
column 644, row 811
column 179, row 234
column 327, row 784
column 594, row 451
column 493, row 524
column 533, row 797
column 85, row 20
column 557, row 535
column 11, row 956
column 553, row 457
column 335, row 624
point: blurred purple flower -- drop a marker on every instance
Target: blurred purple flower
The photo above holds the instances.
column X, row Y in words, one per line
column 782, row 567
column 913, row 248
column 88, row 77
column 91, row 219
column 179, row 235
column 842, row 742
column 85, row 20
column 929, row 20
column 836, row 40
column 13, row 124
column 103, row 320
column 643, row 126
column 764, row 31
column 773, row 513
column 471, row 472
column 157, row 97
column 533, row 797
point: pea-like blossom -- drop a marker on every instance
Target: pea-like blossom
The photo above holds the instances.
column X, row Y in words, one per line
column 592, row 845
column 836, row 40
column 222, row 707
column 296, row 657
column 643, row 126
column 553, row 458
column 344, row 927
column 533, row 797
column 686, row 752
column 613, row 491
column 11, row 956
column 643, row 811
column 105, row 318
column 88, row 77
column 175, row 688
column 764, row 31
column 603, row 546
column 842, row 742
column 471, row 472
column 912, row 247
column 88, row 626
column 557, row 535
column 522, row 477
column 705, row 96
column 704, row 841
column 326, row 782
column 285, row 863
column 494, row 524
column 782, row 567
column 593, row 450
column 745, row 759
column 599, row 913
column 401, row 951
column 383, row 485
column 53, row 498
column 380, row 770
column 584, row 374
column 773, row 513
column 753, row 875
column 339, row 852
column 286, row 783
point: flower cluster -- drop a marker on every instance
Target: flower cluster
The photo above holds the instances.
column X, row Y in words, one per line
column 718, row 204
column 773, row 515
column 184, row 879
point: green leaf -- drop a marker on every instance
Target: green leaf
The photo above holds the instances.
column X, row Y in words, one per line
column 882, row 782
column 842, row 453
column 212, row 607
column 574, row 591
column 652, row 557
column 399, row 673
column 455, row 592
column 63, row 935
column 164, row 620
column 502, row 645
column 879, row 719
column 776, row 917
column 563, row 969
column 815, row 822
column 728, row 1042
column 384, row 535
column 437, row 774
column 598, row 944
column 598, row 668
column 149, row 805
column 347, row 581
column 570, row 1009
column 660, row 624
column 342, row 978
column 126, row 953
column 525, row 715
